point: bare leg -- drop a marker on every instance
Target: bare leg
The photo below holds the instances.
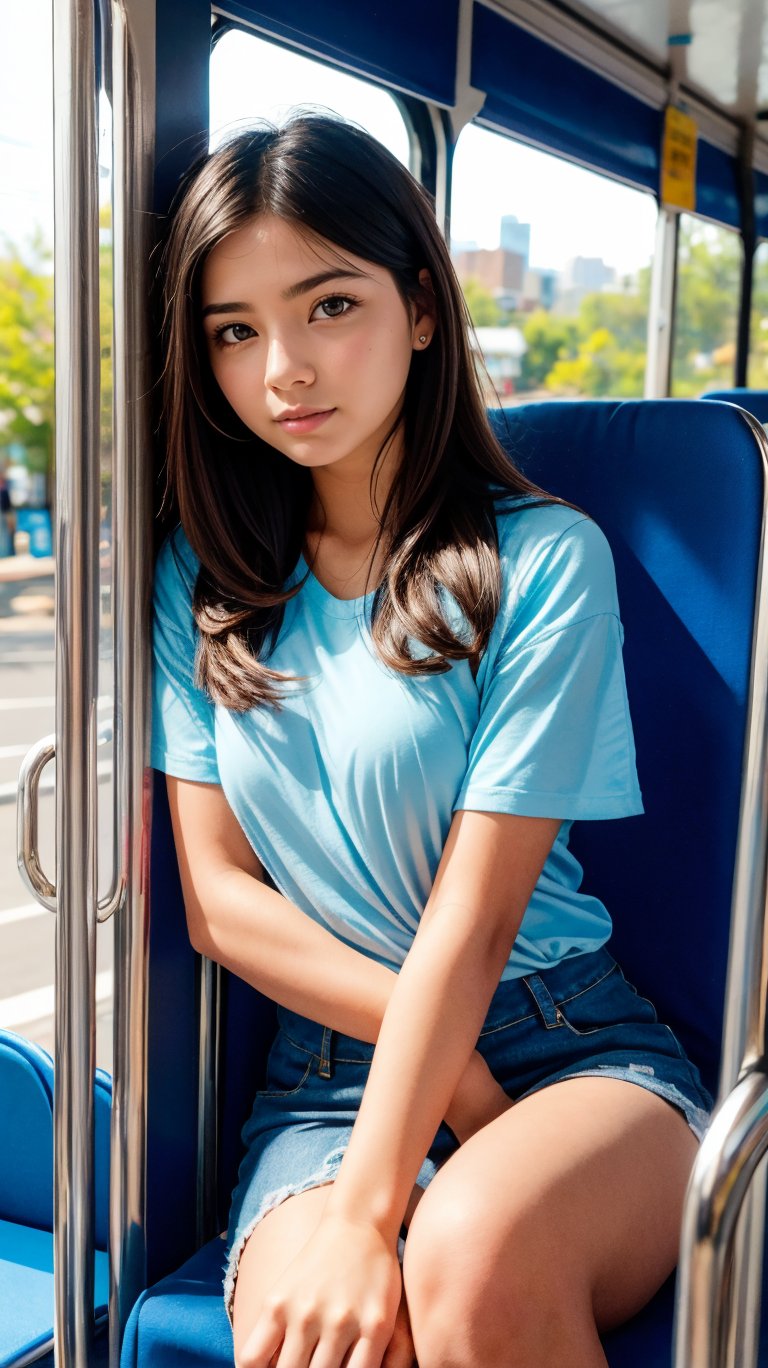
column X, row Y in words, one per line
column 558, row 1220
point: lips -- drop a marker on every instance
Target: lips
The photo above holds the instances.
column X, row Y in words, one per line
column 304, row 420
column 292, row 414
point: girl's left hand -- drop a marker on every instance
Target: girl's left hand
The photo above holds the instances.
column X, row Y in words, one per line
column 336, row 1303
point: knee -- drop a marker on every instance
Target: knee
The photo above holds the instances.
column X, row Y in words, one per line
column 471, row 1304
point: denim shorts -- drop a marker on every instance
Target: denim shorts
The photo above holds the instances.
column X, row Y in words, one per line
column 580, row 1018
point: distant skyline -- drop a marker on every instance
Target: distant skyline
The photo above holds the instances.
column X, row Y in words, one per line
column 572, row 212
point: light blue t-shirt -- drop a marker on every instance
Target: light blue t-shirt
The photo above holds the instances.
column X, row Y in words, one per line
column 346, row 794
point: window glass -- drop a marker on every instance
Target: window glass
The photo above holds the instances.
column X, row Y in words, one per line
column 706, row 307
column 255, row 79
column 757, row 375
column 555, row 264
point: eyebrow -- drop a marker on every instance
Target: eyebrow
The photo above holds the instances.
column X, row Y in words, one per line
column 293, row 291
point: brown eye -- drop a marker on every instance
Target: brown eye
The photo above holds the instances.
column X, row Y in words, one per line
column 229, row 334
column 335, row 306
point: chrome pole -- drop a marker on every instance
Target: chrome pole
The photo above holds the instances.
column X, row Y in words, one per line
column 728, row 1158
column 77, row 616
column 206, row 1215
column 132, row 25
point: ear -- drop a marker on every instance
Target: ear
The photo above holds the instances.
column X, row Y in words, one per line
column 425, row 321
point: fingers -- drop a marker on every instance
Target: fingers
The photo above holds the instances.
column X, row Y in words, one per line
column 400, row 1351
column 367, row 1353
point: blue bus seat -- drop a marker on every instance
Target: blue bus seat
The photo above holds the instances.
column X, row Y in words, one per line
column 754, row 401
column 678, row 489
column 26, row 1199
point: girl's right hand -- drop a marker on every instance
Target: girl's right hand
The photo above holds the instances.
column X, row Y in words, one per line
column 478, row 1100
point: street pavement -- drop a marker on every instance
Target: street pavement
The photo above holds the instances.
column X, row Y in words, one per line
column 27, row 931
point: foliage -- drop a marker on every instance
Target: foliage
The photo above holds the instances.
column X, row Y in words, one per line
column 601, row 367
column 27, row 349
column 26, row 352
column 483, row 309
column 706, row 307
column 548, row 337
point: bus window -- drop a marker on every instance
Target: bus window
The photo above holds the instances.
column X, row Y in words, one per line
column 758, row 334
column 253, row 79
column 555, row 264
column 27, row 931
column 706, row 307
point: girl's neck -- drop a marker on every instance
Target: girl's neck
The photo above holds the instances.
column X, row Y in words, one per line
column 346, row 506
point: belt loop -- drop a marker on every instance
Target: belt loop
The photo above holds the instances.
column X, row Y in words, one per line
column 545, row 1003
column 324, row 1067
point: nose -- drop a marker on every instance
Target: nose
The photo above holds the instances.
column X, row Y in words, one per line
column 286, row 366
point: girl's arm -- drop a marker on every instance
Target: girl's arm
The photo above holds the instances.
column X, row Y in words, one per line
column 340, row 1295
column 238, row 921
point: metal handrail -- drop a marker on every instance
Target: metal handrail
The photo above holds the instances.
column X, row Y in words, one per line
column 76, row 285
column 730, row 1152
column 128, row 64
column 132, row 37
column 27, row 855
column 721, row 1185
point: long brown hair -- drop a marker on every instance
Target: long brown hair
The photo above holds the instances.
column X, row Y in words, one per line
column 242, row 504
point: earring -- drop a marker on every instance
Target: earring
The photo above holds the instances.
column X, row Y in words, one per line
column 423, row 337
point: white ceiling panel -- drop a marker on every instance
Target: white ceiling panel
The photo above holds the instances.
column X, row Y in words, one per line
column 726, row 57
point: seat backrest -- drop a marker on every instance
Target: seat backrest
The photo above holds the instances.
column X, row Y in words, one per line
column 754, row 401
column 26, row 1137
column 677, row 486
column 26, row 1133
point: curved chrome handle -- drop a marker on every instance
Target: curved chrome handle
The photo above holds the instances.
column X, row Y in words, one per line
column 730, row 1152
column 111, row 901
column 27, row 854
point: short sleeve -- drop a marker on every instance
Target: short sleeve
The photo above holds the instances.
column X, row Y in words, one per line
column 554, row 736
column 183, row 739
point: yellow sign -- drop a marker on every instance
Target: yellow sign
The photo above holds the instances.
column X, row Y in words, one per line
column 678, row 160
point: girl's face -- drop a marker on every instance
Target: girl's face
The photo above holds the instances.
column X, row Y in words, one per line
column 311, row 348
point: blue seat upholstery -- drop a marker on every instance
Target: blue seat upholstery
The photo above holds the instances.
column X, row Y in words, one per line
column 754, row 401
column 26, row 1199
column 677, row 486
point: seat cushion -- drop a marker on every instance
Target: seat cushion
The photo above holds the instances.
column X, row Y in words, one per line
column 182, row 1321
column 26, row 1290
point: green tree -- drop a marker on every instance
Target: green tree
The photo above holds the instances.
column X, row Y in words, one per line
column 26, row 352
column 600, row 367
column 483, row 309
column 548, row 337
column 706, row 306
column 624, row 313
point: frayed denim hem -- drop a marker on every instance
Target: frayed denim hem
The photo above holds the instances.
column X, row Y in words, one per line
column 327, row 1174
column 642, row 1075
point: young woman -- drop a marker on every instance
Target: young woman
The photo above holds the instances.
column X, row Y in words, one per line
column 387, row 679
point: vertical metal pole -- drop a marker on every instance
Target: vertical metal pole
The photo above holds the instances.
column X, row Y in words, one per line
column 77, row 607
column 132, row 25
column 210, row 982
column 658, row 366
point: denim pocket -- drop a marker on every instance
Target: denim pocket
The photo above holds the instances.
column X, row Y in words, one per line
column 288, row 1068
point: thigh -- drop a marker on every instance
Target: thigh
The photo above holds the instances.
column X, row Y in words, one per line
column 576, row 1190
